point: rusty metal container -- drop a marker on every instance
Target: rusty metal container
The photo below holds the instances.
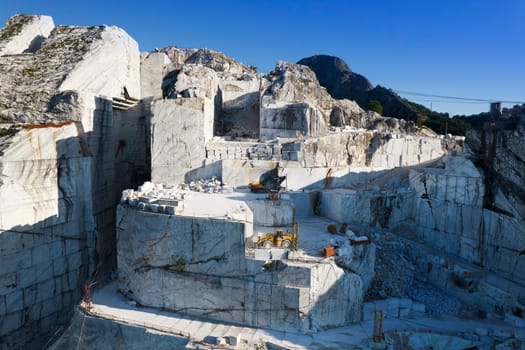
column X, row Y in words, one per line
column 329, row 251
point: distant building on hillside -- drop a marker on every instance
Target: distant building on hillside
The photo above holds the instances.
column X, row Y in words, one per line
column 496, row 110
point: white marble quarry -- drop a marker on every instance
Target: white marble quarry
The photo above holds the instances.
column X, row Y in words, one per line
column 122, row 322
column 340, row 159
column 179, row 129
column 37, row 87
column 359, row 259
column 47, row 227
column 98, row 333
column 271, row 254
column 509, row 165
column 369, row 149
column 189, row 248
column 300, row 178
column 212, row 185
column 196, row 81
column 162, row 202
column 274, row 213
column 450, row 201
column 29, row 166
column 242, row 172
column 239, row 110
column 96, row 135
column 58, row 173
column 131, row 130
column 24, row 32
column 152, row 66
column 392, row 308
column 204, row 246
column 177, row 55
column 376, row 209
column 111, row 64
column 304, row 202
column 232, row 89
column 289, row 121
column 205, row 271
column 295, row 105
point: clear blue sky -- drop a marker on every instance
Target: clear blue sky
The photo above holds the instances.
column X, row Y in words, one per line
column 465, row 48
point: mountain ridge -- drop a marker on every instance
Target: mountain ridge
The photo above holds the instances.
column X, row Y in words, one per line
column 341, row 82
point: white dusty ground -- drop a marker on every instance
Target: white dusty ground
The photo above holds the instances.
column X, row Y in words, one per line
column 109, row 304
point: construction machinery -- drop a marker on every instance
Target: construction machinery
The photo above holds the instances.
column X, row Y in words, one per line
column 257, row 187
column 279, row 239
column 268, row 181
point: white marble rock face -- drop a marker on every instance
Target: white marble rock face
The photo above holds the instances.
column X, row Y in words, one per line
column 25, row 32
column 219, row 281
column 112, row 63
column 56, row 171
column 30, row 176
column 174, row 152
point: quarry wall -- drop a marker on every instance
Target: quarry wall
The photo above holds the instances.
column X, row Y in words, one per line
column 452, row 214
column 25, row 33
column 445, row 209
column 48, row 232
column 58, row 173
column 178, row 137
column 190, row 256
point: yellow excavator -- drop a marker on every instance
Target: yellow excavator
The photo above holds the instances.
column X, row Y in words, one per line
column 280, row 239
column 269, row 181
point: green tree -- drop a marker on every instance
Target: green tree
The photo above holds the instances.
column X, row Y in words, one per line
column 422, row 119
column 376, row 106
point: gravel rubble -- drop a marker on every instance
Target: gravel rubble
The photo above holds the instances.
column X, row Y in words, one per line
column 395, row 276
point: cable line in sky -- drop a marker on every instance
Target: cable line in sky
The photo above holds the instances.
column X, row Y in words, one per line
column 455, row 97
column 447, row 101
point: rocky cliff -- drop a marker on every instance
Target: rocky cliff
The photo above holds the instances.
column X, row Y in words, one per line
column 499, row 148
column 295, row 104
column 24, row 34
column 47, row 230
column 334, row 74
column 71, row 58
column 57, row 167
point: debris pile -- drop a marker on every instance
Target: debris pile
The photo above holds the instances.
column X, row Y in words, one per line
column 396, row 276
column 394, row 273
column 157, row 198
column 212, row 185
column 436, row 301
column 154, row 191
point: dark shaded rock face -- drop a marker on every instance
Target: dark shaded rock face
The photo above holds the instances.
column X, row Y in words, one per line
column 334, row 74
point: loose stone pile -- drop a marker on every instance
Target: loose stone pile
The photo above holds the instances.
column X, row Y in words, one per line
column 437, row 302
column 157, row 198
column 167, row 199
column 212, row 185
column 153, row 192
